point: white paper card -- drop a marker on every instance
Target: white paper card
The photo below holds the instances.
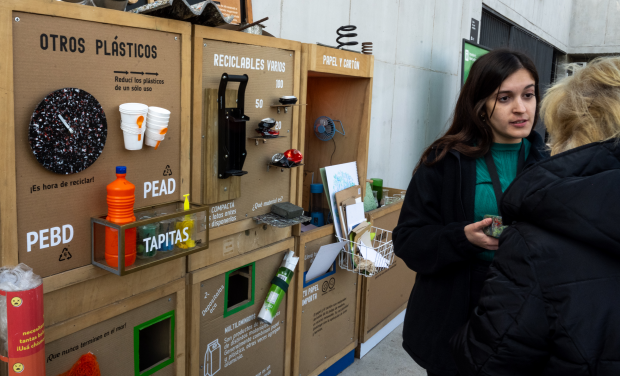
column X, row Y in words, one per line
column 355, row 216
column 324, row 259
column 369, row 253
column 340, row 177
column 309, row 227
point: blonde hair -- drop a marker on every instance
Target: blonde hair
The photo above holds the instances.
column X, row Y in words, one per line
column 584, row 107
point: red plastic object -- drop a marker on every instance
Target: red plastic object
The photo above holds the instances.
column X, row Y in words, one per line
column 25, row 331
column 121, row 197
column 87, row 365
column 293, row 155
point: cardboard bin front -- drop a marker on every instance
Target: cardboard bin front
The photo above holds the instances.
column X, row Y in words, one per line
column 328, row 311
column 232, row 341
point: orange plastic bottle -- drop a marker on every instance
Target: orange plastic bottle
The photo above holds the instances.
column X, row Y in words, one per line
column 121, row 197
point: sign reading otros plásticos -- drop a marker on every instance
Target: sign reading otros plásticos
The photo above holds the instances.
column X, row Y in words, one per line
column 63, row 43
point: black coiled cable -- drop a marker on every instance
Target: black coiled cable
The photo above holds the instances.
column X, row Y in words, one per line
column 348, row 35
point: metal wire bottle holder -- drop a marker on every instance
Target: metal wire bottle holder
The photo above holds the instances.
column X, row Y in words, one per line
column 352, row 258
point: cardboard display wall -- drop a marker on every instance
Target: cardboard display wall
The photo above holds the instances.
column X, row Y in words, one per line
column 337, row 84
column 327, row 310
column 385, row 294
column 110, row 334
column 232, row 241
column 273, row 69
column 49, row 214
column 225, row 337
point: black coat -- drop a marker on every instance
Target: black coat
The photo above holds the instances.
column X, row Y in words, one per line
column 430, row 238
column 551, row 303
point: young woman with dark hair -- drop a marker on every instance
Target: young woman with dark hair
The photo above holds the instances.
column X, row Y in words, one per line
column 458, row 180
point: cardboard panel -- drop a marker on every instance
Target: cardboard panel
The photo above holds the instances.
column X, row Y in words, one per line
column 331, row 60
column 328, row 313
column 341, row 99
column 42, row 64
column 237, row 244
column 80, row 298
column 390, row 289
column 271, row 75
column 237, row 344
column 111, row 341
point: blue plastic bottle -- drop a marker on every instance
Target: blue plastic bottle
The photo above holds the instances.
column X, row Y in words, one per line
column 317, row 206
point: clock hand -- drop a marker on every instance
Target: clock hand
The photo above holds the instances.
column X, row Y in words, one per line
column 65, row 123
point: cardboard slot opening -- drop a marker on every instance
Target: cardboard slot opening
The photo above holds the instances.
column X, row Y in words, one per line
column 154, row 344
column 239, row 287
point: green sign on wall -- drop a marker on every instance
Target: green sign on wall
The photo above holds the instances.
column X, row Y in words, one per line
column 471, row 53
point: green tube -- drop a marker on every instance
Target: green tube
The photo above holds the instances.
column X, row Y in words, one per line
column 279, row 286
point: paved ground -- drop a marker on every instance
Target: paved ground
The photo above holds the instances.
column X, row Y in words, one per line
column 387, row 358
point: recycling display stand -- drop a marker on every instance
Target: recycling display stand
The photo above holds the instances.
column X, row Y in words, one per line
column 327, row 309
column 385, row 295
column 337, row 84
column 224, row 335
column 140, row 335
column 272, row 67
column 45, row 220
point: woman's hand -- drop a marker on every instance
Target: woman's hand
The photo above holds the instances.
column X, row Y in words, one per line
column 476, row 236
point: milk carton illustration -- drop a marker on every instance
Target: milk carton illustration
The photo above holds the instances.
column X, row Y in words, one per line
column 213, row 358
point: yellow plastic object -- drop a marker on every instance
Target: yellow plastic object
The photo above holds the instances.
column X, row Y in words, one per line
column 188, row 223
column 186, row 203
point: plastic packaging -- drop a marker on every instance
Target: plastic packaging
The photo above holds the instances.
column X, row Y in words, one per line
column 144, row 249
column 165, row 227
column 279, row 286
column 318, row 205
column 22, row 290
column 121, row 197
column 186, row 226
column 377, row 186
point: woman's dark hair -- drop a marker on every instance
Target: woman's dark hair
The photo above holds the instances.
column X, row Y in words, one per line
column 468, row 134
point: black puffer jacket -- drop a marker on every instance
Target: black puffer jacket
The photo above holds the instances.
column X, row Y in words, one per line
column 430, row 238
column 551, row 303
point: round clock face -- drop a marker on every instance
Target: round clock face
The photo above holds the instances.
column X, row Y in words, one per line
column 68, row 130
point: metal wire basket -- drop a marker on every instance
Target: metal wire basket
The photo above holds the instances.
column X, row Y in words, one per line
column 368, row 260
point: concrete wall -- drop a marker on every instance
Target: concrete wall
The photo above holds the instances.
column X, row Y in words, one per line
column 548, row 19
column 595, row 27
column 417, row 48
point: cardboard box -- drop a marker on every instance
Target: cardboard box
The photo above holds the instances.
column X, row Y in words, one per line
column 327, row 314
column 225, row 337
column 385, row 294
column 141, row 335
column 59, row 45
column 337, row 84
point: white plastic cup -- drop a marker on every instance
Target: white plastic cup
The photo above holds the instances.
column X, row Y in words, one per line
column 138, row 120
column 159, row 123
column 153, row 139
column 158, row 111
column 133, row 113
column 133, row 127
column 158, row 116
column 130, row 108
column 133, row 138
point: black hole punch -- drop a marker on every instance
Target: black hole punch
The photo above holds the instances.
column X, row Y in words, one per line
column 154, row 344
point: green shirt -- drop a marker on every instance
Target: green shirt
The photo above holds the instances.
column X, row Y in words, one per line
column 505, row 157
